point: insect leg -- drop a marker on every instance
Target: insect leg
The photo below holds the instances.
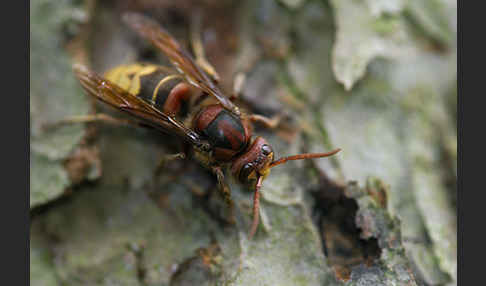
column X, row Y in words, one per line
column 98, row 117
column 225, row 191
column 238, row 83
column 198, row 48
column 166, row 159
column 194, row 188
column 270, row 123
column 223, row 186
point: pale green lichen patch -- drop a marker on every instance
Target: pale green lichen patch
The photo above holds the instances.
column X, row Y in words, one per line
column 428, row 185
column 42, row 271
column 47, row 179
column 288, row 255
column 362, row 34
column 293, row 4
column 433, row 17
column 379, row 7
column 54, row 95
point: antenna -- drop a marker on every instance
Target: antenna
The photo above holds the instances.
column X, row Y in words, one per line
column 303, row 156
column 256, row 196
column 256, row 208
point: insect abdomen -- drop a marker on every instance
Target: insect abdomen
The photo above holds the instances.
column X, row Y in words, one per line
column 153, row 84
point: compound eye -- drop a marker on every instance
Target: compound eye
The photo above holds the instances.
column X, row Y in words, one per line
column 245, row 171
column 266, row 150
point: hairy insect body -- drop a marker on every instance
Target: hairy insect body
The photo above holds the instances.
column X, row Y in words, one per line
column 165, row 89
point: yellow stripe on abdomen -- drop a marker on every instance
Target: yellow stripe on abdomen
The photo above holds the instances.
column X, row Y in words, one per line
column 128, row 76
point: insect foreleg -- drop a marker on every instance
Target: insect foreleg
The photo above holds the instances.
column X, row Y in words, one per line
column 270, row 123
column 222, row 185
column 238, row 83
column 225, row 192
column 166, row 159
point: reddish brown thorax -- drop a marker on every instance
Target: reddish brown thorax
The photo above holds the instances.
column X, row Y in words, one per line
column 228, row 134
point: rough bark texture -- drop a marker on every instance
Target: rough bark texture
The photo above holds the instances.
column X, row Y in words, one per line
column 375, row 78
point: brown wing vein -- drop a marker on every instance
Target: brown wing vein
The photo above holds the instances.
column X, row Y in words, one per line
column 179, row 57
column 117, row 97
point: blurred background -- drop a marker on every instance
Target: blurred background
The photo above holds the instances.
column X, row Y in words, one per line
column 377, row 79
